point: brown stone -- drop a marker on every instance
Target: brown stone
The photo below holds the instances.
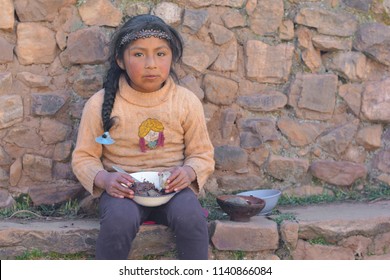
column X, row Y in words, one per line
column 363, row 5
column 36, row 44
column 37, row 168
column 87, row 84
column 287, row 169
column 33, row 80
column 37, row 10
column 268, row 64
column 68, row 20
column 46, row 104
column 229, row 235
column 6, row 200
column 220, row 34
column 230, row 158
column 286, row 30
column 6, row 51
column 227, row 122
column 5, row 83
column 260, row 156
column 195, row 19
column 49, row 194
column 349, row 65
column 15, row 172
column 199, row 55
column 336, row 141
column 263, row 102
column 220, row 90
column 169, row 12
column 381, row 243
column 331, row 43
column 4, row 178
column 227, row 59
column 11, row 110
column 62, row 151
column 267, row 16
column 233, row 19
column 370, row 137
column 355, row 154
column 376, row 101
column 48, row 126
column 358, row 244
column 63, row 171
column 307, row 251
column 327, row 22
column 314, row 96
column 7, row 18
column 100, row 12
column 5, row 159
column 289, row 233
column 191, row 83
column 85, row 46
column 300, row 133
column 254, row 132
column 305, row 190
column 339, row 173
column 233, row 183
column 373, row 39
column 352, row 94
column 381, row 161
column 23, row 136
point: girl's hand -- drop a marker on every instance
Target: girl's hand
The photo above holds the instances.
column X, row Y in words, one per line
column 181, row 177
column 116, row 184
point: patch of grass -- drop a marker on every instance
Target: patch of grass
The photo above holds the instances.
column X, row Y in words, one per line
column 280, row 217
column 209, row 202
column 36, row 254
column 24, row 209
column 320, row 240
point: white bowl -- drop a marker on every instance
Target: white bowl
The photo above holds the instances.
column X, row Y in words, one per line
column 270, row 196
column 150, row 201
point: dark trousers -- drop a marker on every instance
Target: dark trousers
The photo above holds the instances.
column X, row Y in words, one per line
column 120, row 219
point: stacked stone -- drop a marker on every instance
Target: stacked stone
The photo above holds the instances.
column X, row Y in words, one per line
column 292, row 90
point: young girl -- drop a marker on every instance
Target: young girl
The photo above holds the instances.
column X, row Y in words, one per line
column 143, row 121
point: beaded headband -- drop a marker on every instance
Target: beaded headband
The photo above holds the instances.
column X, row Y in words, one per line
column 142, row 34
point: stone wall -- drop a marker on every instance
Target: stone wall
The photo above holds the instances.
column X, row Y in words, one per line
column 296, row 93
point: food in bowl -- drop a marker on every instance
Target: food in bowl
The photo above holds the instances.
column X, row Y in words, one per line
column 240, row 208
column 148, row 191
column 270, row 196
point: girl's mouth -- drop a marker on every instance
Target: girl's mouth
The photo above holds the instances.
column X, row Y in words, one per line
column 151, row 77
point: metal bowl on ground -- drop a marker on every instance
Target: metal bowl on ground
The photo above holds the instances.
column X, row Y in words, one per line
column 150, row 201
column 270, row 196
column 240, row 208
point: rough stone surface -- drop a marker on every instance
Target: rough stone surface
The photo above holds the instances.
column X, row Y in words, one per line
column 7, row 18
column 36, row 44
column 230, row 235
column 300, row 133
column 327, row 22
column 314, row 96
column 349, row 65
column 230, row 158
column 6, row 51
column 55, row 193
column 289, row 169
column 338, row 173
column 46, row 105
column 289, row 233
column 254, row 132
column 267, row 16
column 37, row 168
column 5, row 83
column 37, row 10
column 100, row 12
column 263, row 102
column 268, row 64
column 11, row 110
column 199, row 55
column 85, row 46
column 169, row 12
column 219, row 90
column 195, row 19
column 375, row 100
column 374, row 40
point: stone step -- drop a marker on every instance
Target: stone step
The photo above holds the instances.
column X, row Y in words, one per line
column 331, row 231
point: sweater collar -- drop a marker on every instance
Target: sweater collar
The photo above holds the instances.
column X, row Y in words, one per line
column 145, row 99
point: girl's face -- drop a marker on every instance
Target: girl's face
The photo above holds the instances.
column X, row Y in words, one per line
column 148, row 63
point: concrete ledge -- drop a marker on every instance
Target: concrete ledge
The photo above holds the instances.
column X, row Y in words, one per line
column 331, row 231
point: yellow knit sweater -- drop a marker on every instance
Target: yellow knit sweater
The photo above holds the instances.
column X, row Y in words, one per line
column 172, row 114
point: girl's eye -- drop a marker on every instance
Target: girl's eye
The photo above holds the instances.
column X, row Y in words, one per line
column 161, row 54
column 138, row 54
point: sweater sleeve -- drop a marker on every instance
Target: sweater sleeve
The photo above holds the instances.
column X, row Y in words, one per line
column 86, row 162
column 199, row 151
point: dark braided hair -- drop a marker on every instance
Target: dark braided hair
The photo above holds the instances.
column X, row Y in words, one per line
column 132, row 26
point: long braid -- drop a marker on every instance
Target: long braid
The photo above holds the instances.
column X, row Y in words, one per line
column 111, row 86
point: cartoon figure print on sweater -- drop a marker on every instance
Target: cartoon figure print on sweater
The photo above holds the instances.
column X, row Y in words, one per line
column 151, row 134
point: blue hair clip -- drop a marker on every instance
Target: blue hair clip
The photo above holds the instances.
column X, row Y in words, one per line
column 105, row 139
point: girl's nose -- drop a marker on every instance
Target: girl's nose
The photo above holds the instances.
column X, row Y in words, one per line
column 150, row 63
